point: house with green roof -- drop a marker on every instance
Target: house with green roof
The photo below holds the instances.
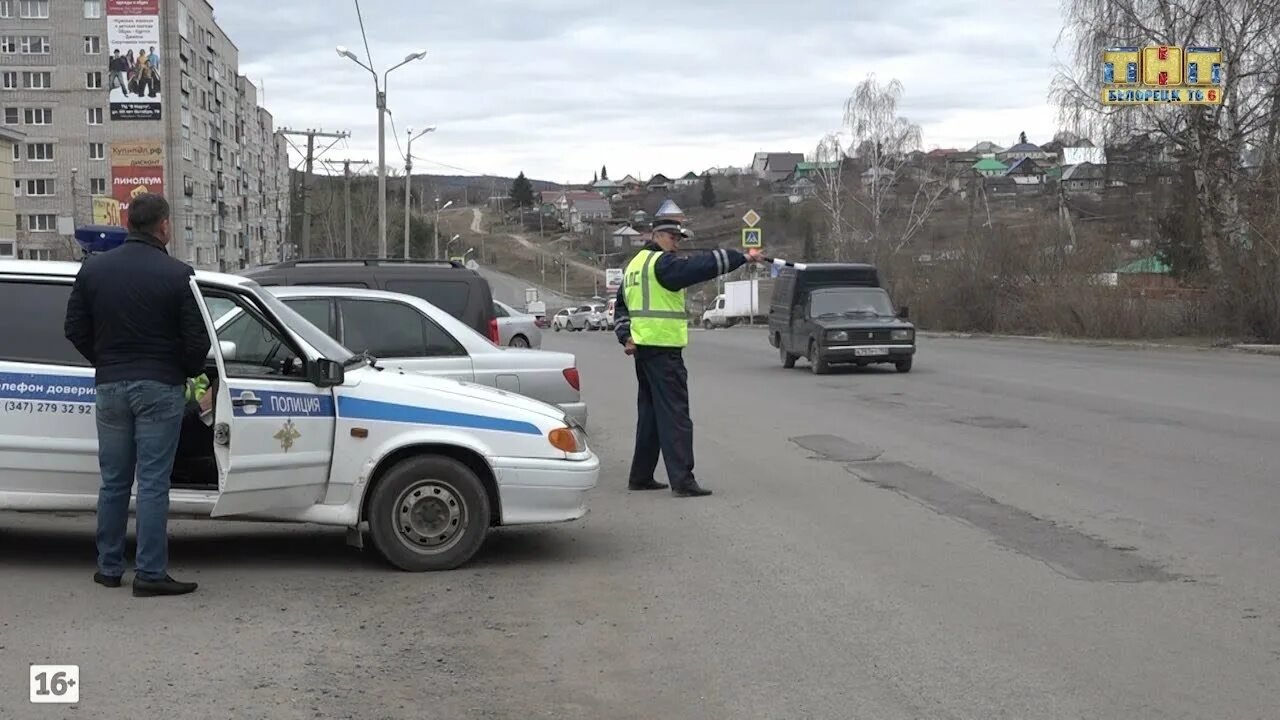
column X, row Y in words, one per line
column 990, row 167
column 806, row 170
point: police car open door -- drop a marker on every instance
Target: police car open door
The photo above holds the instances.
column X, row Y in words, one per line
column 273, row 430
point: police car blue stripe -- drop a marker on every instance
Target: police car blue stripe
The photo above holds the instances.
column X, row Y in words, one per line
column 50, row 388
column 283, row 404
column 361, row 409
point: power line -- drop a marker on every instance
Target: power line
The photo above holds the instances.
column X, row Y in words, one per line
column 360, row 16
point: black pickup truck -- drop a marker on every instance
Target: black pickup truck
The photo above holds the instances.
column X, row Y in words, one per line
column 838, row 314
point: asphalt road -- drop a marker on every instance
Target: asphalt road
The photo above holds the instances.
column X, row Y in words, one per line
column 1014, row 530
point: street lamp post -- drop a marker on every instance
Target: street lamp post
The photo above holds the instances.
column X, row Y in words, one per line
column 437, row 225
column 380, row 91
column 408, row 182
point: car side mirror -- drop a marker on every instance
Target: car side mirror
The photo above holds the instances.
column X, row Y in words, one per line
column 904, row 312
column 325, row 373
column 226, row 348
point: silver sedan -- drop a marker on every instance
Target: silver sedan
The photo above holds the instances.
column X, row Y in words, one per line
column 411, row 334
column 516, row 329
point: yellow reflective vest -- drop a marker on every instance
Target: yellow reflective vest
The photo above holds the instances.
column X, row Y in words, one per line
column 658, row 317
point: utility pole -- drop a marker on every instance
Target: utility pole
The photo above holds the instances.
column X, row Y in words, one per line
column 408, row 182
column 346, row 192
column 309, row 161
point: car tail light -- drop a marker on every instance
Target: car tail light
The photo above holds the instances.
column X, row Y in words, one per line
column 571, row 374
column 493, row 331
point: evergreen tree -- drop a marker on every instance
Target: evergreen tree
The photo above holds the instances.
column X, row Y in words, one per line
column 604, row 172
column 594, row 178
column 1022, row 137
column 522, row 191
column 708, row 192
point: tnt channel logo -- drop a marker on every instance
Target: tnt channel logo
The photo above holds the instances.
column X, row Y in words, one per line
column 1162, row 75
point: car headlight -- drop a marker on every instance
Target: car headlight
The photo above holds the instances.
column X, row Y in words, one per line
column 903, row 335
column 838, row 336
column 568, row 440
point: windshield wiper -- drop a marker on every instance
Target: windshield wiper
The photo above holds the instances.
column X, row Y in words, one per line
column 829, row 315
column 358, row 358
column 860, row 312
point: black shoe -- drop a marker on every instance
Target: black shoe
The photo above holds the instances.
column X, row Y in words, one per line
column 158, row 588
column 646, row 485
column 690, row 491
column 111, row 581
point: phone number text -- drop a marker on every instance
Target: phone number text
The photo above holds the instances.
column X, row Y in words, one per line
column 47, row 408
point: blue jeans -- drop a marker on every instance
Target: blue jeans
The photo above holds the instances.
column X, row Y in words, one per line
column 139, row 422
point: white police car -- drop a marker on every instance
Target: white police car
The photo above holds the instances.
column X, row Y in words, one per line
column 303, row 433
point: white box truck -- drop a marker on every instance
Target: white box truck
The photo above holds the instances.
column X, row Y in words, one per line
column 742, row 301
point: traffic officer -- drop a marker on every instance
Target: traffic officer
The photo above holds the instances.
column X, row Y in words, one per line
column 653, row 326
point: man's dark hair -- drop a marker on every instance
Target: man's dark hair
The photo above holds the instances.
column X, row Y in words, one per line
column 147, row 211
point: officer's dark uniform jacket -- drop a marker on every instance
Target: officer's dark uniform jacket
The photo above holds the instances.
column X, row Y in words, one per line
column 663, row 422
column 133, row 316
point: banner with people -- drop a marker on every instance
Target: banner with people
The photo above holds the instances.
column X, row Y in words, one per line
column 136, row 168
column 133, row 65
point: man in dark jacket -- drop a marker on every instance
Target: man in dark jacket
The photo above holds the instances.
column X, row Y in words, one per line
column 652, row 324
column 134, row 318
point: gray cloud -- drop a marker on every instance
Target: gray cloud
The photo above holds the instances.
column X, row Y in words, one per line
column 558, row 87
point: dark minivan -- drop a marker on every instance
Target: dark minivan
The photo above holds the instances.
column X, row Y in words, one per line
column 448, row 285
column 837, row 313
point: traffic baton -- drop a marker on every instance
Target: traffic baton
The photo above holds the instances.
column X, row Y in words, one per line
column 784, row 263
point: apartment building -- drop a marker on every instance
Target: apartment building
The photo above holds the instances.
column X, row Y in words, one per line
column 117, row 97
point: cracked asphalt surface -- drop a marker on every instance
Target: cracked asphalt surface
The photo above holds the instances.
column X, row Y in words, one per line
column 1013, row 530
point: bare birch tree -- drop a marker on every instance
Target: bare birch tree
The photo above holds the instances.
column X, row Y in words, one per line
column 829, row 189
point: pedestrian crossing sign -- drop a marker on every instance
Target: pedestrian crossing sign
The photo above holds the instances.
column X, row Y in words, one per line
column 752, row 237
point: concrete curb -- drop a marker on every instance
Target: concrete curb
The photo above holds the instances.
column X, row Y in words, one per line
column 1095, row 342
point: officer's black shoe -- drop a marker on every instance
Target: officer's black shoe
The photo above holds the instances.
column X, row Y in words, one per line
column 646, row 485
column 690, row 491
column 111, row 581
column 158, row 588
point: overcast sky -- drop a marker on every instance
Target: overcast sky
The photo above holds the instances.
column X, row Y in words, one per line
column 557, row 88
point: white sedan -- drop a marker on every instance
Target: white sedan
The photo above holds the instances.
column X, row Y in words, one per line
column 408, row 333
column 569, row 319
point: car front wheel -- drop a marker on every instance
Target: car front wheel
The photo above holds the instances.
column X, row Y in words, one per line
column 817, row 363
column 903, row 365
column 428, row 513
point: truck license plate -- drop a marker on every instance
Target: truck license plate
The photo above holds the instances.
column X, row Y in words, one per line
column 870, row 351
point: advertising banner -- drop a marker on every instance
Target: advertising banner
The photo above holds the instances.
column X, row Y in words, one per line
column 136, row 168
column 106, row 211
column 613, row 279
column 133, row 59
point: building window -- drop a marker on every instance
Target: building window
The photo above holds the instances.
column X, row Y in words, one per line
column 37, row 254
column 17, row 152
column 10, row 81
column 42, row 223
column 97, row 151
column 34, row 44
column 11, row 116
column 92, row 9
column 34, row 9
column 6, row 249
column 17, row 188
column 92, row 45
column 37, row 80
column 40, row 152
column 6, row 8
column 37, row 116
column 93, row 81
column 8, row 44
column 40, row 188
column 95, row 116
column 97, row 186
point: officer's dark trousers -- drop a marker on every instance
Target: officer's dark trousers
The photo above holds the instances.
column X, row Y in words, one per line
column 663, row 421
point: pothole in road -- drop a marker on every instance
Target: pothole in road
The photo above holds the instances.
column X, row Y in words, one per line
column 1065, row 550
column 837, row 449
